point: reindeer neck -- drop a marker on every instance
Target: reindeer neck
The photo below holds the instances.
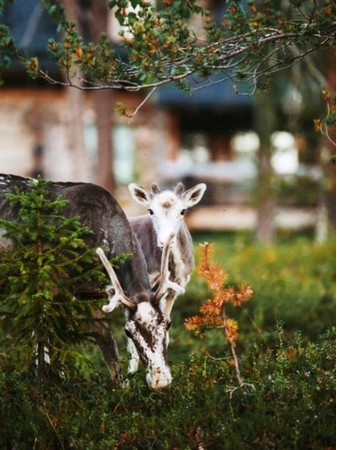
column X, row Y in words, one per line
column 146, row 234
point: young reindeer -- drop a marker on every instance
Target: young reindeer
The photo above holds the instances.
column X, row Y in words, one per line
column 146, row 325
column 165, row 224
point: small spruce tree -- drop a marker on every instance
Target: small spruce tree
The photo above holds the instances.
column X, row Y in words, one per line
column 41, row 320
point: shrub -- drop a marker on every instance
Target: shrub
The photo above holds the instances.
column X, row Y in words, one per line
column 292, row 406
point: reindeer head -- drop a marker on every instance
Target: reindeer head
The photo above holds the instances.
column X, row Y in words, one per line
column 146, row 324
column 167, row 208
column 147, row 327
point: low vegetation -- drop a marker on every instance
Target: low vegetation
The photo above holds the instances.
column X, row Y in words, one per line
column 283, row 339
column 290, row 406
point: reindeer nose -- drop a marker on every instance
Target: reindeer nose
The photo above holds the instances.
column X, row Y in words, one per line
column 163, row 242
column 157, row 379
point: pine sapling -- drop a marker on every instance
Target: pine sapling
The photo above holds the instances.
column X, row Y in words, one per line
column 39, row 277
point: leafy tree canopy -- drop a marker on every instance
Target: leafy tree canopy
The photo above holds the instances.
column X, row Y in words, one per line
column 179, row 41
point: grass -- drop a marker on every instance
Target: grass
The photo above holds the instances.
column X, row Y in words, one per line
column 293, row 283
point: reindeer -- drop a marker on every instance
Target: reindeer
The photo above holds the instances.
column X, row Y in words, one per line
column 146, row 324
column 165, row 226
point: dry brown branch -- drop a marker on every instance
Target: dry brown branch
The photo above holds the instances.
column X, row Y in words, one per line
column 212, row 313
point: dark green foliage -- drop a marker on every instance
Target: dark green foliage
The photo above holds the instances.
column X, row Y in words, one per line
column 49, row 264
column 290, row 407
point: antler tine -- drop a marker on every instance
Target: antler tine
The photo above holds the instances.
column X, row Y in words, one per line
column 119, row 296
column 164, row 281
column 155, row 188
column 179, row 189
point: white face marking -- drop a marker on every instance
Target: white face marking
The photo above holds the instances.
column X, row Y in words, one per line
column 167, row 215
column 145, row 312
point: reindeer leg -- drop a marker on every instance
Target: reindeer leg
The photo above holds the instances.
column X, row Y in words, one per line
column 107, row 345
column 133, row 357
column 165, row 282
column 175, row 290
column 179, row 290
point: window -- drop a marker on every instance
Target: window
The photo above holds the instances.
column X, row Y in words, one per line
column 122, row 147
column 123, row 144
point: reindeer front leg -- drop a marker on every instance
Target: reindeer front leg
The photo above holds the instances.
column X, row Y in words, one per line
column 117, row 297
column 169, row 302
column 164, row 279
column 133, row 357
column 107, row 345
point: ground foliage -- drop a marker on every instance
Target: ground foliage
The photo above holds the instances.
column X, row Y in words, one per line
column 291, row 406
column 293, row 282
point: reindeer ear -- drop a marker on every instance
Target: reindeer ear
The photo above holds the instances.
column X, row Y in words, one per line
column 194, row 195
column 139, row 194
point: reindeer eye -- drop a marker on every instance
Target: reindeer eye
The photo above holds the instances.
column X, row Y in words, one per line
column 167, row 323
column 183, row 212
column 151, row 212
column 128, row 334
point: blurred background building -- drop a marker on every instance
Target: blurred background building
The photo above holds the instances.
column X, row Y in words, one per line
column 214, row 136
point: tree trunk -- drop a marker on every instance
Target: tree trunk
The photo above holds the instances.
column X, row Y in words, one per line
column 103, row 109
column 40, row 363
column 75, row 109
column 265, row 123
column 103, row 101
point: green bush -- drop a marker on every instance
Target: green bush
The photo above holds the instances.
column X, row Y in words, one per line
column 290, row 405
